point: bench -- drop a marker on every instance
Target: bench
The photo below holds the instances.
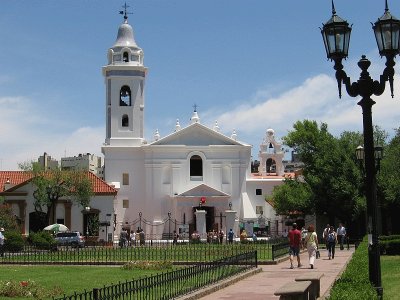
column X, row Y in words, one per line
column 315, row 279
column 297, row 290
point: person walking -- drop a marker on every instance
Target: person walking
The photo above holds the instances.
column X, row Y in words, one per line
column 142, row 237
column 312, row 244
column 175, row 238
column 303, row 237
column 341, row 234
column 331, row 240
column 2, row 239
column 123, row 238
column 294, row 237
column 221, row 235
column 325, row 235
column 230, row 236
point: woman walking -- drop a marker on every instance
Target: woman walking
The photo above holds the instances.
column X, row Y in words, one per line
column 312, row 244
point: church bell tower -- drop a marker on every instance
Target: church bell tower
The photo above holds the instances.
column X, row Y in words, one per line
column 125, row 80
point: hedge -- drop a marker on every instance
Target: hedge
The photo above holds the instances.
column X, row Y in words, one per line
column 354, row 283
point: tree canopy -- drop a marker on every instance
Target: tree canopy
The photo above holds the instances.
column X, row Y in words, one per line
column 51, row 185
column 330, row 169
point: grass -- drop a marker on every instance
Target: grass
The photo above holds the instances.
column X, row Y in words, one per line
column 69, row 278
column 390, row 266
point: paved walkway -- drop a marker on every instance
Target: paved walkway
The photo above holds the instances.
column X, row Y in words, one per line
column 264, row 284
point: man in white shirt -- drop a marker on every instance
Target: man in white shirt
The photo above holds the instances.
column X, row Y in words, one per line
column 2, row 238
column 341, row 234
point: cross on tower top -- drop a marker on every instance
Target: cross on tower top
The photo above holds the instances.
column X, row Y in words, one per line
column 125, row 11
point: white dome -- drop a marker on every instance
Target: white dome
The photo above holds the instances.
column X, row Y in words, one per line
column 125, row 36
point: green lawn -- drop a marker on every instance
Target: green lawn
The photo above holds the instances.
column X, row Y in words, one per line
column 69, row 278
column 390, row 266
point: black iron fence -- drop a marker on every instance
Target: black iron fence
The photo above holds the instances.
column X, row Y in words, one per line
column 280, row 249
column 182, row 253
column 174, row 283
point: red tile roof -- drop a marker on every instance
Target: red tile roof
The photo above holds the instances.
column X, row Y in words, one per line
column 272, row 176
column 20, row 177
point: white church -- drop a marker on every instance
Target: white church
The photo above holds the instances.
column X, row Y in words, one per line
column 196, row 176
column 193, row 179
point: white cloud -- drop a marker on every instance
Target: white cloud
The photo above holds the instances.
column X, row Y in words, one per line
column 315, row 99
column 27, row 133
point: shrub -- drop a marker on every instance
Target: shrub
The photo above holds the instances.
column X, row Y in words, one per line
column 27, row 288
column 147, row 265
column 354, row 282
column 390, row 247
column 389, row 237
column 42, row 240
column 14, row 241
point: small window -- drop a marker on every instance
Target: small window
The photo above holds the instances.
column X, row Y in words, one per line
column 258, row 192
column 125, row 121
column 125, row 203
column 125, row 96
column 125, row 179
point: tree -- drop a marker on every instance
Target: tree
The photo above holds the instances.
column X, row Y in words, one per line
column 389, row 181
column 7, row 218
column 293, row 197
column 51, row 185
column 329, row 169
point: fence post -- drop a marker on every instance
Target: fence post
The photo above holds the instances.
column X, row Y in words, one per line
column 273, row 252
column 95, row 294
column 255, row 254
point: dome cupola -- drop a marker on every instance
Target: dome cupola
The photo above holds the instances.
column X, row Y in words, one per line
column 125, row 51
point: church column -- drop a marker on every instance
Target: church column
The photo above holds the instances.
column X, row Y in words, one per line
column 201, row 223
column 230, row 220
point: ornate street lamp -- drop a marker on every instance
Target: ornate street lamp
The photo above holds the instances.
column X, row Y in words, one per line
column 378, row 155
column 336, row 36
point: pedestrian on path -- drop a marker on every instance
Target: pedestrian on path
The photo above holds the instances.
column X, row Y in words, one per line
column 2, row 239
column 332, row 240
column 341, row 234
column 312, row 244
column 294, row 238
column 325, row 235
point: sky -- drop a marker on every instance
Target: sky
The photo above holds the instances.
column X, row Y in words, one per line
column 250, row 65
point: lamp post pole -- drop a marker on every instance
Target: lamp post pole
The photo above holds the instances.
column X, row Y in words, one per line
column 336, row 36
column 87, row 208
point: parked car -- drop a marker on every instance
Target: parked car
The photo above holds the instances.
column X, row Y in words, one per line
column 73, row 239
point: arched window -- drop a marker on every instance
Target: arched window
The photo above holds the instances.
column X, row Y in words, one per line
column 270, row 165
column 196, row 168
column 125, row 96
column 125, row 121
column 125, row 57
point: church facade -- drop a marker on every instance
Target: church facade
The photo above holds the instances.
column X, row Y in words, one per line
column 195, row 176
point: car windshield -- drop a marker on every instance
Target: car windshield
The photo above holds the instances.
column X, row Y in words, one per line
column 67, row 234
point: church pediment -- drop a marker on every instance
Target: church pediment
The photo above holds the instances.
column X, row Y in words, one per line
column 203, row 190
column 197, row 135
